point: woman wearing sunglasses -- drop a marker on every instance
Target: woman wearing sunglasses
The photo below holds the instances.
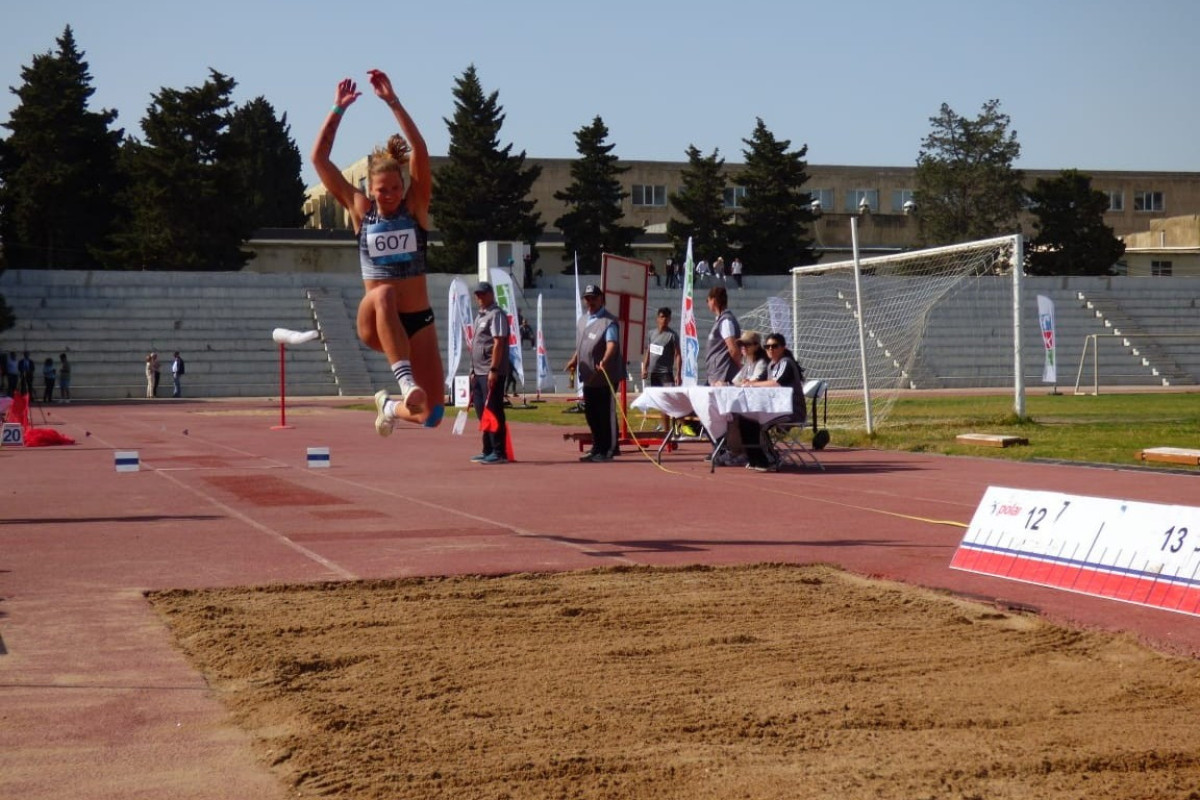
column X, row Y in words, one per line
column 754, row 359
column 781, row 371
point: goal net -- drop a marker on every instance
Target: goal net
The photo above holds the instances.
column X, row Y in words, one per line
column 945, row 317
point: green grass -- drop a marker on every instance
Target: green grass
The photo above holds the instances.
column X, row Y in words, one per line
column 1107, row 429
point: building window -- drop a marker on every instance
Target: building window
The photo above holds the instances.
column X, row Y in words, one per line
column 644, row 194
column 733, row 196
column 1160, row 268
column 1116, row 200
column 823, row 197
column 1148, row 201
column 901, row 197
column 855, row 198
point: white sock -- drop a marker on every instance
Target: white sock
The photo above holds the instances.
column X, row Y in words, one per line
column 403, row 372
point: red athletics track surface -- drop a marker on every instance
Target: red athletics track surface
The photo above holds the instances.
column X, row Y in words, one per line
column 96, row 703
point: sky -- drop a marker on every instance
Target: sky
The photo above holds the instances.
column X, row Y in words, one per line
column 1093, row 85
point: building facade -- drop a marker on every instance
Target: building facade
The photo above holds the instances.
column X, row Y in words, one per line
column 882, row 198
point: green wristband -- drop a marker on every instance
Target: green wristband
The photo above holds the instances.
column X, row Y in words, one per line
column 336, row 110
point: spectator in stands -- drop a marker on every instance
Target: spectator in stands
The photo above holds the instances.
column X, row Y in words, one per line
column 152, row 375
column 489, row 368
column 723, row 356
column 601, row 370
column 526, row 330
column 49, row 374
column 177, row 369
column 9, row 373
column 392, row 223
column 25, row 374
column 64, row 378
column 782, row 371
column 754, row 359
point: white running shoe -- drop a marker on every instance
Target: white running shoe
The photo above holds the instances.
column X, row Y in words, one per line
column 412, row 396
column 383, row 420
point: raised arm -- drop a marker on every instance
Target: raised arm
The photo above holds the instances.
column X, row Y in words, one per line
column 420, row 188
column 331, row 177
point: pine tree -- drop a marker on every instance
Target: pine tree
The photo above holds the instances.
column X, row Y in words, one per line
column 592, row 224
column 268, row 166
column 773, row 225
column 967, row 187
column 700, row 202
column 482, row 191
column 59, row 167
column 184, row 210
column 1072, row 238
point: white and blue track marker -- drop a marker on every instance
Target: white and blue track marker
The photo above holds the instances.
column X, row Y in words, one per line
column 1142, row 553
column 318, row 458
column 126, row 460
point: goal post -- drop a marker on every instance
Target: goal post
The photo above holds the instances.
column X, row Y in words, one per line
column 860, row 324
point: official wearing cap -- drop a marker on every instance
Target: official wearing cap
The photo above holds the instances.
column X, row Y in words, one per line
column 601, row 365
column 489, row 370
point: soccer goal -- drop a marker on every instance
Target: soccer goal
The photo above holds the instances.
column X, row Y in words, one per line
column 861, row 324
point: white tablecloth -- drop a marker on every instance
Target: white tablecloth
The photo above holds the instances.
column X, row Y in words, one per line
column 715, row 405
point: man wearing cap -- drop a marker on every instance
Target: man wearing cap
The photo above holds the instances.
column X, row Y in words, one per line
column 489, row 367
column 601, row 369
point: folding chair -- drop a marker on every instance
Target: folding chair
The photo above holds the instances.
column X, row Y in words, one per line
column 815, row 390
column 784, row 444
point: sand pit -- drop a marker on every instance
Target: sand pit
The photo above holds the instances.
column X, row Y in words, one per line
column 748, row 682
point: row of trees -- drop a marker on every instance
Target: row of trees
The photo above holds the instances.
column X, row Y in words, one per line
column 967, row 188
column 77, row 193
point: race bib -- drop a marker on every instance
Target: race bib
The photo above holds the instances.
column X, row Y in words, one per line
column 391, row 241
column 656, row 349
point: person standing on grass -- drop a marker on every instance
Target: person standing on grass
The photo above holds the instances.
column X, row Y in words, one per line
column 489, row 367
column 392, row 224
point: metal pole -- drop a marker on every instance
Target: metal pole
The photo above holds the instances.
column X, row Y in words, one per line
column 282, row 392
column 862, row 337
column 1018, row 266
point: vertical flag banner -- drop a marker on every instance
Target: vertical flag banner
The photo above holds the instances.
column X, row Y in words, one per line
column 780, row 313
column 690, row 340
column 506, row 297
column 459, row 319
column 1046, row 323
column 543, row 361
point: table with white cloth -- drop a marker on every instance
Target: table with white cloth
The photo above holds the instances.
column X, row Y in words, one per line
column 713, row 407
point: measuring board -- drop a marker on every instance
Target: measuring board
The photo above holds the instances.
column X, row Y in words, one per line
column 1143, row 553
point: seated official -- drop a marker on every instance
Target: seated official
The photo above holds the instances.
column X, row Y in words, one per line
column 754, row 359
column 781, row 371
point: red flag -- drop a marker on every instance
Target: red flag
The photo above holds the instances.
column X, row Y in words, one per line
column 19, row 410
column 489, row 424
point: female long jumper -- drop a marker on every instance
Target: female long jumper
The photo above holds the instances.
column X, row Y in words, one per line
column 392, row 224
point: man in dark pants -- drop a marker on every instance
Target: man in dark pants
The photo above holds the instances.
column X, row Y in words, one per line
column 601, row 369
column 489, row 368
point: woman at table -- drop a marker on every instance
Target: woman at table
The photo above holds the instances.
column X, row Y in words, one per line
column 754, row 359
column 781, row 371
